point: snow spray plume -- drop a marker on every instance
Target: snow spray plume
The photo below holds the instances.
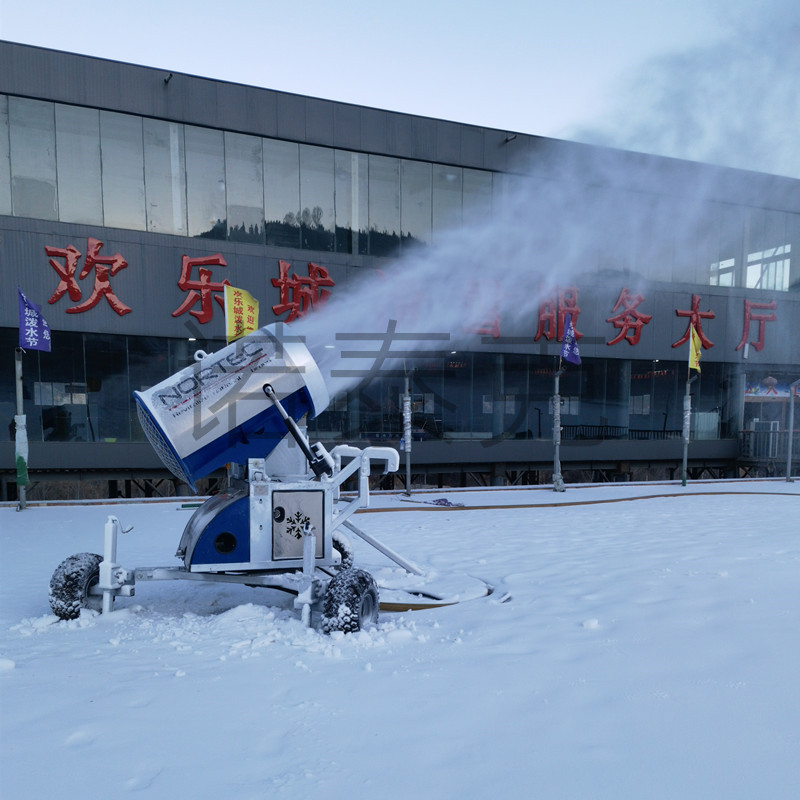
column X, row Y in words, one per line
column 573, row 213
column 550, row 229
column 734, row 102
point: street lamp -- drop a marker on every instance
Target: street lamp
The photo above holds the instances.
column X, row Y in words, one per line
column 792, row 392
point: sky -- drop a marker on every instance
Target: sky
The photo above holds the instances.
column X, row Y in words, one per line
column 712, row 80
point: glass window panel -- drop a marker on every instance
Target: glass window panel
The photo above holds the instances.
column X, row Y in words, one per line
column 415, row 202
column 333, row 423
column 507, row 188
column 5, row 161
column 316, row 197
column 427, row 399
column 654, row 240
column 61, row 393
column 352, row 195
column 148, row 360
column 108, row 392
column 80, row 188
column 722, row 273
column 768, row 259
column 8, row 384
column 489, row 401
column 205, row 182
column 370, row 410
column 123, row 170
column 457, row 396
column 384, row 205
column 731, row 242
column 447, row 203
column 477, row 195
column 244, row 178
column 614, row 221
column 165, row 177
column 33, row 158
column 281, row 192
column 518, row 420
column 696, row 246
column 652, row 395
column 793, row 245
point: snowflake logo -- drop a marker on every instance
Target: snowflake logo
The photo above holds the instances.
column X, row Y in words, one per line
column 296, row 524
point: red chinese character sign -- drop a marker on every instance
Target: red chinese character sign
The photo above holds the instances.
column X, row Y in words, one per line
column 695, row 317
column 104, row 268
column 627, row 318
column 752, row 313
column 553, row 311
column 201, row 289
column 299, row 295
column 65, row 271
column 490, row 327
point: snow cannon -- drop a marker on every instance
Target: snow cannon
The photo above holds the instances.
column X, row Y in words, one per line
column 215, row 412
column 280, row 523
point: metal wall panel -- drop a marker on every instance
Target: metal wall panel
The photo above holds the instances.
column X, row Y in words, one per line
column 472, row 139
column 423, row 139
column 346, row 127
column 291, row 111
column 448, row 143
column 374, row 131
column 319, row 122
column 262, row 111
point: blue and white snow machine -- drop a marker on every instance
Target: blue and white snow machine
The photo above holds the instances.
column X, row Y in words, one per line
column 280, row 522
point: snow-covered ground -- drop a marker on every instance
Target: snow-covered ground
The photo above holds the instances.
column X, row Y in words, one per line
column 642, row 641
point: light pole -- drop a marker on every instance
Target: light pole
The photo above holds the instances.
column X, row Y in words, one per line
column 792, row 391
column 687, row 426
column 558, row 481
column 21, row 437
column 407, row 432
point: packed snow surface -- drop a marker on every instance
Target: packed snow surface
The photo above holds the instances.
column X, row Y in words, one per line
column 639, row 641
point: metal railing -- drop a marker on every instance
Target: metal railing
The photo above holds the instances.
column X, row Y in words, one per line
column 770, row 445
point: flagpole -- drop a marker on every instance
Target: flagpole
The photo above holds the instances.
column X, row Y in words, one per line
column 569, row 350
column 687, row 408
column 21, row 434
column 34, row 333
column 790, row 430
column 558, row 480
column 407, row 431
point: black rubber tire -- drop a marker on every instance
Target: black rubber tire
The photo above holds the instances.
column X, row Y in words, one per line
column 351, row 602
column 70, row 584
column 344, row 547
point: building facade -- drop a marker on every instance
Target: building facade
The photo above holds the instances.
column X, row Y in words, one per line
column 130, row 195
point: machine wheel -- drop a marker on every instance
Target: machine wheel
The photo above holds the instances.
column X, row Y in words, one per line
column 350, row 603
column 70, row 584
column 343, row 546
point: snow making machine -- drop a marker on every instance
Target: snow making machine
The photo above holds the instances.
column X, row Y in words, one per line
column 281, row 521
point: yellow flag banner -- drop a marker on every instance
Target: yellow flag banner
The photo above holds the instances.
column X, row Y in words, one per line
column 695, row 353
column 241, row 313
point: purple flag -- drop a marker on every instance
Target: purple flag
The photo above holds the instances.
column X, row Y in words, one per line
column 34, row 332
column 569, row 345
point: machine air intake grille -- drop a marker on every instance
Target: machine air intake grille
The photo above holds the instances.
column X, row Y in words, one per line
column 162, row 448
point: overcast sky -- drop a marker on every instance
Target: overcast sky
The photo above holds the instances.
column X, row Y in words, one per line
column 713, row 80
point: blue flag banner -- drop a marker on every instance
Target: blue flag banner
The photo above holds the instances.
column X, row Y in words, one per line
column 34, row 332
column 569, row 344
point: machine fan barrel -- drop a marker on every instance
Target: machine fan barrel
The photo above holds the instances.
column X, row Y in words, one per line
column 214, row 411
